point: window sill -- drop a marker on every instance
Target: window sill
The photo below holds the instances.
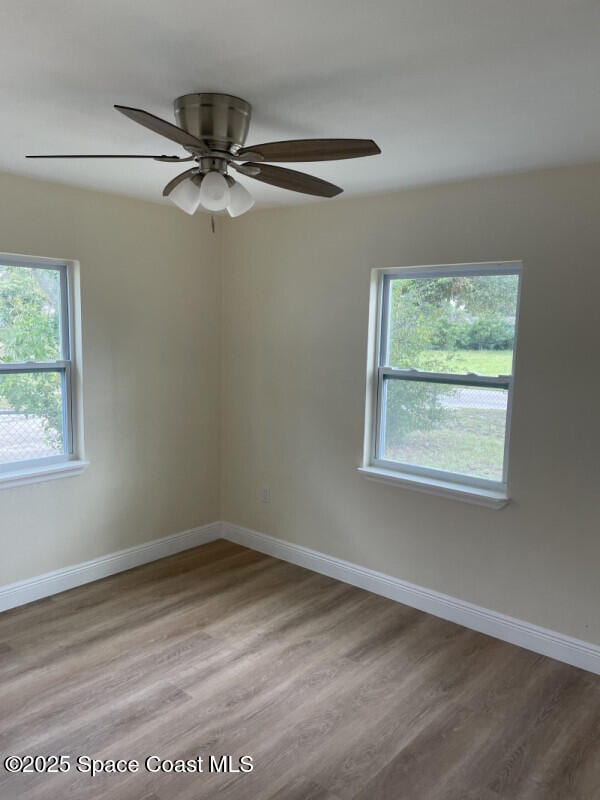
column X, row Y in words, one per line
column 49, row 472
column 456, row 491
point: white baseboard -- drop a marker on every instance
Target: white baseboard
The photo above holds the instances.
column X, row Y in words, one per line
column 532, row 637
column 17, row 594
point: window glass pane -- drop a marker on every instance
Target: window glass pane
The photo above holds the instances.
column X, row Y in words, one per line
column 29, row 314
column 456, row 324
column 453, row 428
column 30, row 416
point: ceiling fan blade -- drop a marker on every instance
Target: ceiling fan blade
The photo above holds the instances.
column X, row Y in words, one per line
column 177, row 180
column 310, row 150
column 293, row 180
column 115, row 155
column 163, row 127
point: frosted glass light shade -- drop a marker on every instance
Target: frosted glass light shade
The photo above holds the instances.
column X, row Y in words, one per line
column 214, row 192
column 186, row 195
column 240, row 200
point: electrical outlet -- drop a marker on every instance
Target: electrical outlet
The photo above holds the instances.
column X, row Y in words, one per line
column 266, row 494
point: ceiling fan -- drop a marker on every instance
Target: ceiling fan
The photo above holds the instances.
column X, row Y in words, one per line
column 213, row 129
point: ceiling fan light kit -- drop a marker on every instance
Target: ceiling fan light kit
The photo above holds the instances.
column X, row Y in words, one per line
column 212, row 128
column 240, row 199
column 214, row 191
column 186, row 195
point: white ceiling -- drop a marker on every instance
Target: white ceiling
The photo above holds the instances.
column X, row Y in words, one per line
column 448, row 88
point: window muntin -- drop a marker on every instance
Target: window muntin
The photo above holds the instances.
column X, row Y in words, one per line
column 444, row 372
column 35, row 364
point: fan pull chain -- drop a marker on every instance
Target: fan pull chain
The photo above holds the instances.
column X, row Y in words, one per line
column 212, row 223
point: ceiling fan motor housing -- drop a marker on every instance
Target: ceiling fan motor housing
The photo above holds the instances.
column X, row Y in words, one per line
column 221, row 121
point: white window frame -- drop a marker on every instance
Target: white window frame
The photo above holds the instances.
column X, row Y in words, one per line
column 473, row 489
column 70, row 462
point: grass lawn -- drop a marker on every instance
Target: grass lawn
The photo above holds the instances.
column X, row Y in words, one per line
column 467, row 441
column 483, row 362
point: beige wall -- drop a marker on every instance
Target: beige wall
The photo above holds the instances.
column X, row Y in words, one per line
column 150, row 310
column 296, row 292
column 294, row 311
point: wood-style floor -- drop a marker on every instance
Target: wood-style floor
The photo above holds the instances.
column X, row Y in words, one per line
column 336, row 693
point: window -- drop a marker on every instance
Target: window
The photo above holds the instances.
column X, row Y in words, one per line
column 37, row 434
column 441, row 379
